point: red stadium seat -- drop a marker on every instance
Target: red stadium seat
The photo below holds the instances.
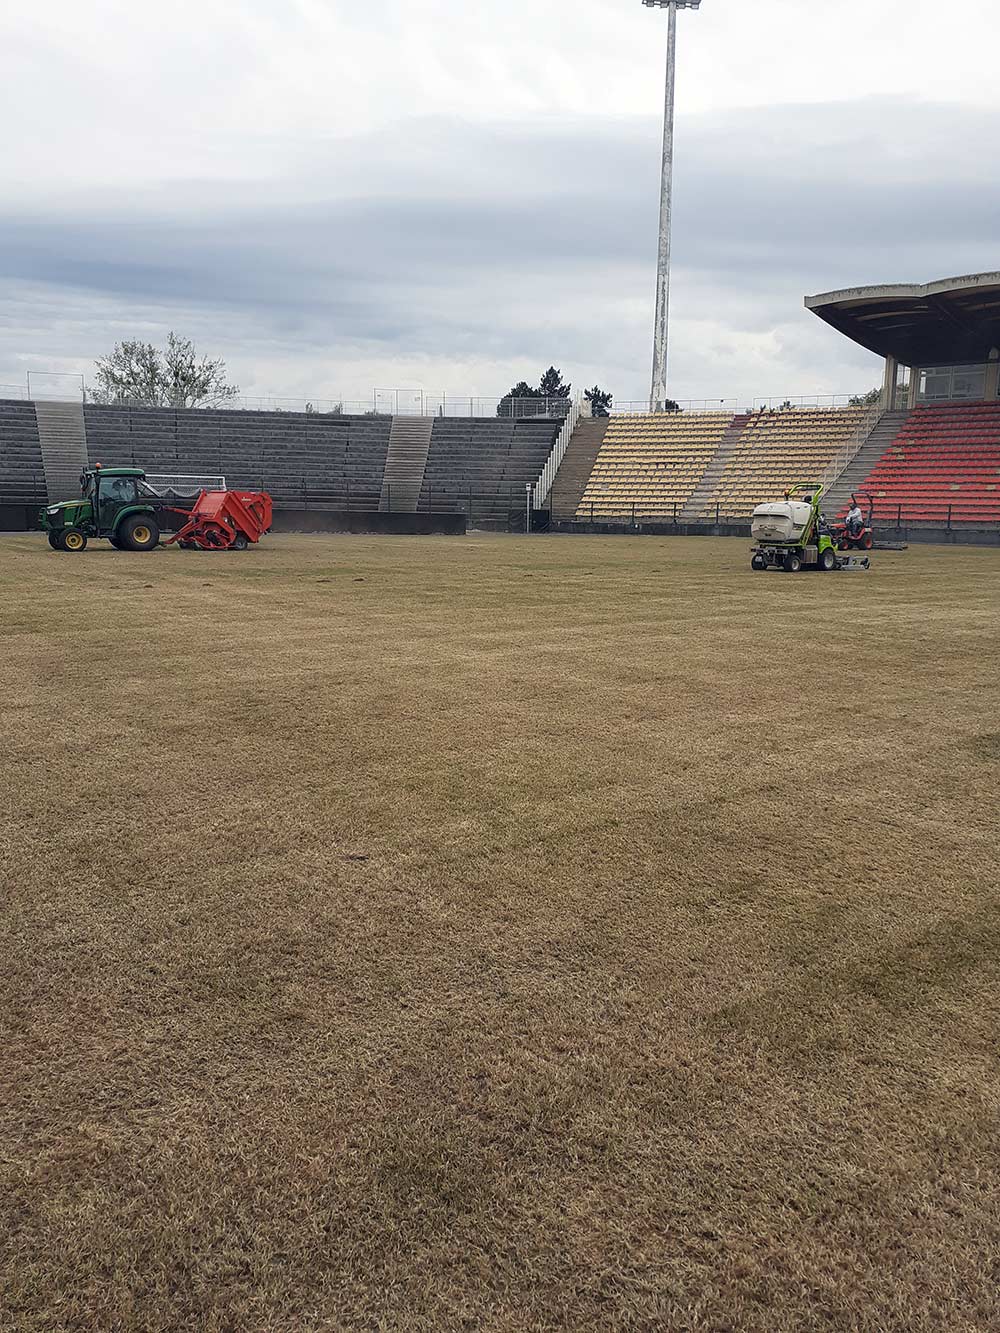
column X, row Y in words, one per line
column 943, row 466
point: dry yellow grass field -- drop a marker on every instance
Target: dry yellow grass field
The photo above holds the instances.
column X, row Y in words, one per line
column 499, row 934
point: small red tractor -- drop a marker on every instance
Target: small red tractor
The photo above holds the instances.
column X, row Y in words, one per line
column 854, row 531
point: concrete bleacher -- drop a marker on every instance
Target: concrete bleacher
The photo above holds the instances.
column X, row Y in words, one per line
column 479, row 466
column 943, row 467
column 474, row 465
column 22, row 473
column 936, row 465
column 649, row 465
column 775, row 450
column 299, row 457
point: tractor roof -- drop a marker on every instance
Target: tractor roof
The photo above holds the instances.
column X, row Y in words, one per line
column 116, row 471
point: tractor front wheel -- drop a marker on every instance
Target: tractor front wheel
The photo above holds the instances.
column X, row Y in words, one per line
column 828, row 559
column 758, row 563
column 138, row 533
column 73, row 540
column 240, row 542
column 55, row 540
column 793, row 563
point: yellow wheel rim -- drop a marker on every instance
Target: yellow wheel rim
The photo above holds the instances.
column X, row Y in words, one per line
column 141, row 535
column 73, row 541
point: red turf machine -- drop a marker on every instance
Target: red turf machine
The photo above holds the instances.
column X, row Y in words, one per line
column 224, row 521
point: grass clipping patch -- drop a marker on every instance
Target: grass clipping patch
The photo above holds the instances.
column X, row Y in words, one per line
column 509, row 934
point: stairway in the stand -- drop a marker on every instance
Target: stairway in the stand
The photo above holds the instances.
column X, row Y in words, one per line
column 857, row 471
column 576, row 467
column 63, row 440
column 698, row 505
column 405, row 464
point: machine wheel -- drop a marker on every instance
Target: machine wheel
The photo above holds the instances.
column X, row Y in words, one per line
column 828, row 560
column 55, row 540
column 758, row 562
column 139, row 533
column 867, row 542
column 115, row 543
column 73, row 540
column 240, row 542
column 793, row 563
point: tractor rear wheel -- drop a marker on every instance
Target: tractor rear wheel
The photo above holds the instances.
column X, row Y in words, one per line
column 758, row 562
column 793, row 563
column 138, row 533
column 55, row 540
column 828, row 560
column 73, row 540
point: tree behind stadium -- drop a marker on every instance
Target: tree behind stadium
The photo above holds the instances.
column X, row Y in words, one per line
column 527, row 400
column 139, row 373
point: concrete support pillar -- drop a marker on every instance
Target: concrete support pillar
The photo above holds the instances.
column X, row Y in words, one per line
column 914, row 397
column 993, row 379
column 889, row 384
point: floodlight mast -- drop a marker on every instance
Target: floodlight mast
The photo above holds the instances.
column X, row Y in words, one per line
column 658, row 392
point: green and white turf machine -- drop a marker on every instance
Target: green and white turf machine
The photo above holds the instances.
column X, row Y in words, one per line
column 791, row 534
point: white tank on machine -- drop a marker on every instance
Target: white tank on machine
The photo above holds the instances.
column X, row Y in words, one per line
column 781, row 521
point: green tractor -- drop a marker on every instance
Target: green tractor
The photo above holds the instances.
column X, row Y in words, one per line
column 114, row 504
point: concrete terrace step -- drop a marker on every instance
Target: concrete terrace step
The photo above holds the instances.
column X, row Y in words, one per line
column 63, row 439
column 857, row 471
column 702, row 493
column 405, row 464
column 575, row 469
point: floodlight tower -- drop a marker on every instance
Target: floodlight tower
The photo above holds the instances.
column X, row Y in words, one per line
column 658, row 393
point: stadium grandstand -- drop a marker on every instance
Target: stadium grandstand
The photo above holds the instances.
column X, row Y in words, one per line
column 652, row 463
column 927, row 453
column 307, row 460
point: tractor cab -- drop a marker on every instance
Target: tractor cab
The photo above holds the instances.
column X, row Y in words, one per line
column 114, row 503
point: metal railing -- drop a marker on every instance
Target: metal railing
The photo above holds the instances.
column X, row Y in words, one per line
column 737, row 406
column 419, row 402
column 888, row 516
column 503, row 507
column 850, row 449
column 640, row 407
column 381, row 403
column 409, row 402
column 543, row 485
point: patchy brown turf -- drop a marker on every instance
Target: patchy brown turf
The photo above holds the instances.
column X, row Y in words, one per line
column 427, row 934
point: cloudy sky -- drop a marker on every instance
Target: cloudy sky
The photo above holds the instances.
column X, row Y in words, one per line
column 338, row 194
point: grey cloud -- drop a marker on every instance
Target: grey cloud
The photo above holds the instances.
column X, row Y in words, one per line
column 524, row 241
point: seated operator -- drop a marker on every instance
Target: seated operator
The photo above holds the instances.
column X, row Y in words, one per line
column 854, row 520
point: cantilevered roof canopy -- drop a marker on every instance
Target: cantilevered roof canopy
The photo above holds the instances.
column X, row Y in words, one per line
column 956, row 321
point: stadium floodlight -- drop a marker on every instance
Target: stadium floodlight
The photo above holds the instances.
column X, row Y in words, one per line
column 658, row 393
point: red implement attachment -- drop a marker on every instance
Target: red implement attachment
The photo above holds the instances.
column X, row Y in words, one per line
column 225, row 520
